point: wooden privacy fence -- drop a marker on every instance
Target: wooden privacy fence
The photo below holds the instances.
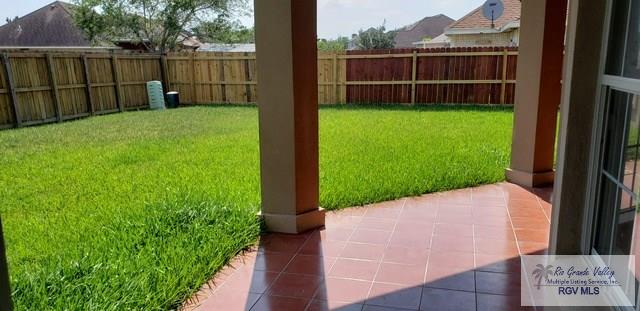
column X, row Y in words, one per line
column 415, row 76
column 37, row 88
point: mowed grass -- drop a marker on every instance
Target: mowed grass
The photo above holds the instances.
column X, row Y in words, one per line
column 137, row 210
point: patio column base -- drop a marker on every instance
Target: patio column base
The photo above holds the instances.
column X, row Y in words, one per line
column 529, row 179
column 294, row 224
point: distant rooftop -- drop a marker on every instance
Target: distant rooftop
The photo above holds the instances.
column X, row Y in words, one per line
column 223, row 47
column 476, row 21
column 51, row 25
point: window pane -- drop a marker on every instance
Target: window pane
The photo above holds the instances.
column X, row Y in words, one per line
column 632, row 54
column 614, row 133
column 617, row 37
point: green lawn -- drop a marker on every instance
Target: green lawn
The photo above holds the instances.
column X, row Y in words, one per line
column 137, row 210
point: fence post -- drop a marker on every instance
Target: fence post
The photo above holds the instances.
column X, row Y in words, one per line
column 414, row 70
column 335, row 78
column 5, row 288
column 164, row 68
column 503, row 88
column 87, row 77
column 12, row 90
column 193, row 79
column 54, row 87
column 223, row 86
column 116, row 80
column 247, row 76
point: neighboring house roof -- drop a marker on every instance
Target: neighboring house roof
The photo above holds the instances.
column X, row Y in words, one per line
column 475, row 22
column 51, row 25
column 222, row 47
column 431, row 26
column 441, row 40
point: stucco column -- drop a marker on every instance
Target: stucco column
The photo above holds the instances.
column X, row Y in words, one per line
column 288, row 113
column 538, row 86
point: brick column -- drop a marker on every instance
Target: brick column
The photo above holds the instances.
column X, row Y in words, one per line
column 288, row 114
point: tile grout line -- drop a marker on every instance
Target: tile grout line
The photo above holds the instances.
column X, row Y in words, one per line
column 315, row 293
column 266, row 291
column 395, row 225
column 426, row 268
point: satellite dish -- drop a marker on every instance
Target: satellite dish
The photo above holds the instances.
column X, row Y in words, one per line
column 492, row 10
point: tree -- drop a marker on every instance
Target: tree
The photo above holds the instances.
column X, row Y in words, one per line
column 224, row 30
column 157, row 24
column 9, row 19
column 333, row 45
column 375, row 38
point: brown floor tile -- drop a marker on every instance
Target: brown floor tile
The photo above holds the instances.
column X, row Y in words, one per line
column 529, row 212
column 268, row 261
column 253, row 281
column 455, row 197
column 498, row 233
column 425, row 201
column 455, row 219
column 454, row 210
column 406, row 255
column 412, row 275
column 229, row 299
column 492, row 221
column 528, row 202
column 533, row 248
column 311, row 265
column 497, row 263
column 419, row 214
column 440, row 278
column 322, row 248
column 532, row 235
column 395, row 296
column 488, row 302
column 334, row 234
column 295, row 285
column 442, row 259
column 321, row 305
column 453, row 229
column 530, row 223
column 496, row 246
column 338, row 220
column 363, row 251
column 452, row 243
column 483, row 210
column 377, row 223
column 418, row 228
column 389, row 210
column 281, row 243
column 407, row 238
column 370, row 236
column 343, row 290
column 497, row 283
column 354, row 269
column 445, row 300
column 275, row 303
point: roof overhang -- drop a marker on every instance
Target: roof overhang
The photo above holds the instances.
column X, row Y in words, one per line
column 468, row 31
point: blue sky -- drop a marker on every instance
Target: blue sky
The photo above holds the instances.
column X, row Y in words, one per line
column 335, row 17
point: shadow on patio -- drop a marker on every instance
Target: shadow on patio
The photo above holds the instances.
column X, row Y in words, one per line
column 456, row 250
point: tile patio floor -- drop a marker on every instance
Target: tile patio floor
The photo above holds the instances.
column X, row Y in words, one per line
column 455, row 250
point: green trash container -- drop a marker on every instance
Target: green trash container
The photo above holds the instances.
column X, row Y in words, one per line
column 173, row 100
